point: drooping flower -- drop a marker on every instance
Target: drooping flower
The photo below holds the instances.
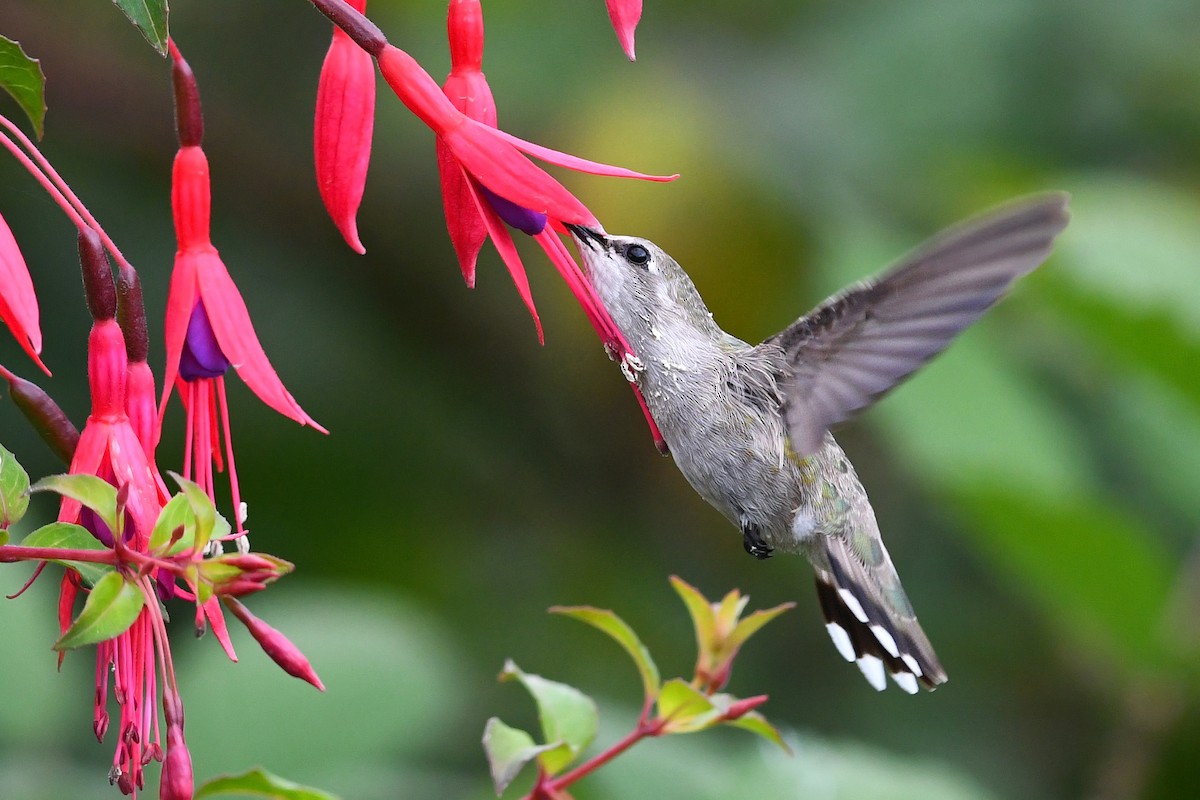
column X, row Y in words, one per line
column 474, row 212
column 625, row 15
column 208, row 327
column 18, row 302
column 342, row 130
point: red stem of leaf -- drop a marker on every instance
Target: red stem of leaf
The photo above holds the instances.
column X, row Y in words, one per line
column 645, row 729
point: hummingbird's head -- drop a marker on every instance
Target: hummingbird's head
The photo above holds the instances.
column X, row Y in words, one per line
column 638, row 282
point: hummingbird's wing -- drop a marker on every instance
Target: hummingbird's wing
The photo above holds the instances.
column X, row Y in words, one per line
column 863, row 341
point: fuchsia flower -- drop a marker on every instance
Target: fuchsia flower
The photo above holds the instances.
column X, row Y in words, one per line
column 18, row 303
column 208, row 328
column 342, row 132
column 625, row 15
column 486, row 176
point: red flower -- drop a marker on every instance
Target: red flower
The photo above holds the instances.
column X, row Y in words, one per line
column 342, row 132
column 18, row 303
column 208, row 328
column 625, row 15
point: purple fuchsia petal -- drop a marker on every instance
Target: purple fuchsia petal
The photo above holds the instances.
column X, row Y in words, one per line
column 201, row 356
column 519, row 217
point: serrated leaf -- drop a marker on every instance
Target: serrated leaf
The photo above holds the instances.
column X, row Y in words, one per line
column 701, row 612
column 568, row 716
column 150, row 17
column 508, row 750
column 97, row 494
column 14, row 489
column 619, row 630
column 756, row 723
column 260, row 783
column 112, row 606
column 177, row 511
column 21, row 76
column 685, row 708
column 66, row 536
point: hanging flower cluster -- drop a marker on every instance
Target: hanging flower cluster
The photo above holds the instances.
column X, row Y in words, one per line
column 127, row 543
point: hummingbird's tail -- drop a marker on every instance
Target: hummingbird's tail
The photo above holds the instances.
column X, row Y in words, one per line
column 871, row 622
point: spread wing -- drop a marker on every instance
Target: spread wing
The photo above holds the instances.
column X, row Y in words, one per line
column 862, row 342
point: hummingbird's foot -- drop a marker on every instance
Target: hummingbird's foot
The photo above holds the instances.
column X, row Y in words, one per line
column 754, row 544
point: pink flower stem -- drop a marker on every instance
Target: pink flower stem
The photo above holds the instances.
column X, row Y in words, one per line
column 57, row 188
column 645, row 729
column 11, row 553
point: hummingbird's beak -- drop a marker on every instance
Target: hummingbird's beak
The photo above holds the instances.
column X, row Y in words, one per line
column 586, row 236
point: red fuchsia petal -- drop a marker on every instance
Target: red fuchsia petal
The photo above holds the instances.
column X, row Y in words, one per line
column 342, row 132
column 88, row 455
column 67, row 591
column 276, row 645
column 467, row 231
column 578, row 164
column 417, row 90
column 141, row 405
column 181, row 299
column 512, row 259
column 18, row 302
column 625, row 15
column 216, row 621
column 133, row 472
column 489, row 158
column 108, row 365
column 235, row 333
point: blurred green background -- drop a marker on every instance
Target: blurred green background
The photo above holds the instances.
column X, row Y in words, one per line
column 1037, row 485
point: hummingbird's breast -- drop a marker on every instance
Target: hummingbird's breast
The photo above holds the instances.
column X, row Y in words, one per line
column 719, row 409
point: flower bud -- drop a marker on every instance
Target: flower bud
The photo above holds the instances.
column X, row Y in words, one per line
column 47, row 419
column 275, row 645
column 97, row 276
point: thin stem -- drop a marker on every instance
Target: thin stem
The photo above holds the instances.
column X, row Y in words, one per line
column 41, row 177
column 61, row 189
column 645, row 729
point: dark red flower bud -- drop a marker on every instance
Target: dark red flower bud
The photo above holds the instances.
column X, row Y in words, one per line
column 97, row 276
column 47, row 419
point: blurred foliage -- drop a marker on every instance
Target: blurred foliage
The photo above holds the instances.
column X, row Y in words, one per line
column 1036, row 485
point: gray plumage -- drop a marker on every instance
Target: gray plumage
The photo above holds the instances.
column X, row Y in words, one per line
column 748, row 425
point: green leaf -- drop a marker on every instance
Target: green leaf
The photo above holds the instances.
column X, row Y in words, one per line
column 112, row 606
column 260, row 783
column 177, row 511
column 701, row 612
column 619, row 630
column 66, row 536
column 97, row 494
column 756, row 723
column 21, row 76
column 508, row 751
column 14, row 489
column 685, row 708
column 568, row 716
column 753, row 623
column 150, row 16
column 208, row 521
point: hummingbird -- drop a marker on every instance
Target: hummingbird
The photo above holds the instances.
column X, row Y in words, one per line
column 749, row 425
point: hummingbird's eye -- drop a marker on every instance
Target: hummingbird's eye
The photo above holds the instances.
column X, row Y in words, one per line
column 636, row 254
